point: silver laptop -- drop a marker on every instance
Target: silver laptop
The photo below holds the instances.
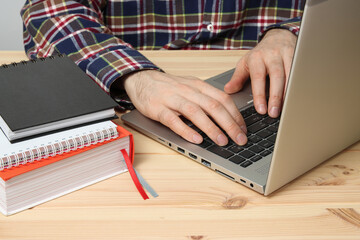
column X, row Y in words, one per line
column 321, row 111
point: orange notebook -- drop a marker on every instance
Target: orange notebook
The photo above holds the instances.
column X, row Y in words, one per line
column 38, row 170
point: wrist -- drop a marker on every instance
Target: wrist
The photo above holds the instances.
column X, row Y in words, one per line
column 278, row 32
column 130, row 79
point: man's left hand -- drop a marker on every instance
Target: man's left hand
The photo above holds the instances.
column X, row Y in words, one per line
column 272, row 56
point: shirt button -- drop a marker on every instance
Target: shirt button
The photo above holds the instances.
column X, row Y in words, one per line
column 210, row 28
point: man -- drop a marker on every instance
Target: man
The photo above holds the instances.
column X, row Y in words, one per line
column 103, row 37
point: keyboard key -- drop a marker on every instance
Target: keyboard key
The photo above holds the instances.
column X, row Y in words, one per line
column 205, row 144
column 264, row 133
column 257, row 127
column 248, row 144
column 252, row 109
column 236, row 159
column 236, row 148
column 247, row 112
column 256, row 149
column 265, row 144
column 269, row 120
column 246, row 164
column 203, row 134
column 207, row 138
column 195, row 128
column 272, row 138
column 272, row 129
column 230, row 143
column 254, row 138
column 246, row 154
column 252, row 119
column 256, row 158
column 265, row 153
column 220, row 151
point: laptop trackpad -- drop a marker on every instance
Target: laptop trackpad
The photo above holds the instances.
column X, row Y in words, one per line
column 242, row 98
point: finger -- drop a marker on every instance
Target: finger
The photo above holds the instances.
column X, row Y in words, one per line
column 238, row 79
column 199, row 104
column 170, row 119
column 197, row 116
column 224, row 99
column 276, row 71
column 258, row 83
column 224, row 119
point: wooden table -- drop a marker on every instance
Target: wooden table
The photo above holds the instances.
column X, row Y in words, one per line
column 194, row 202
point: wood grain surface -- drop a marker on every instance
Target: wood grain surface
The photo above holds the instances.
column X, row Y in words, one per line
column 194, row 202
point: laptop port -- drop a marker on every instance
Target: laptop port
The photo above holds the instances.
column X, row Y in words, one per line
column 206, row 163
column 224, row 174
column 193, row 156
column 242, row 180
column 181, row 150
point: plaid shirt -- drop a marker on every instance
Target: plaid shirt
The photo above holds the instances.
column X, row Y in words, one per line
column 103, row 36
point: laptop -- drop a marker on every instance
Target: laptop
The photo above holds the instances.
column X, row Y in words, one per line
column 320, row 115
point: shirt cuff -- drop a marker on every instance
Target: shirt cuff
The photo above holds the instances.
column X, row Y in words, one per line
column 107, row 67
column 292, row 25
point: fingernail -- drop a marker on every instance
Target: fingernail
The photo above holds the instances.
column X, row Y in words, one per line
column 222, row 140
column 243, row 128
column 197, row 138
column 262, row 108
column 241, row 139
column 274, row 111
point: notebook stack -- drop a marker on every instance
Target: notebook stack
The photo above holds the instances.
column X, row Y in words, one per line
column 49, row 94
column 56, row 135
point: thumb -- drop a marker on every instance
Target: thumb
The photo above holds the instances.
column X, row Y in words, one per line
column 238, row 79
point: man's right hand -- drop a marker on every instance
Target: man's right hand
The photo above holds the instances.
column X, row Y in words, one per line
column 164, row 97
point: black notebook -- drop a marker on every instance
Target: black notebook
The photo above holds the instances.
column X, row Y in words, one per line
column 49, row 94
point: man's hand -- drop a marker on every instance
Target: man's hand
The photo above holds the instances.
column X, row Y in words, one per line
column 272, row 56
column 163, row 97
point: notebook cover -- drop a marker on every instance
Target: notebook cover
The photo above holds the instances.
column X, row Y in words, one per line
column 48, row 90
column 59, row 130
column 7, row 174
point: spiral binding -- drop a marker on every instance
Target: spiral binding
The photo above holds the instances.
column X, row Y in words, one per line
column 57, row 148
column 23, row 62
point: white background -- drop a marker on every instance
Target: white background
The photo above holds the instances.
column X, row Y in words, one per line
column 11, row 25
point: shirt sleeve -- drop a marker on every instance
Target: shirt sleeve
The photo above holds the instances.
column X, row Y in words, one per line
column 292, row 25
column 76, row 28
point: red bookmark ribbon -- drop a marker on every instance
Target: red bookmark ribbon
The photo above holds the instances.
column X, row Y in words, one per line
column 133, row 175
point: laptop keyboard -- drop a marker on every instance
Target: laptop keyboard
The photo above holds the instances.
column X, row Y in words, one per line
column 261, row 135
